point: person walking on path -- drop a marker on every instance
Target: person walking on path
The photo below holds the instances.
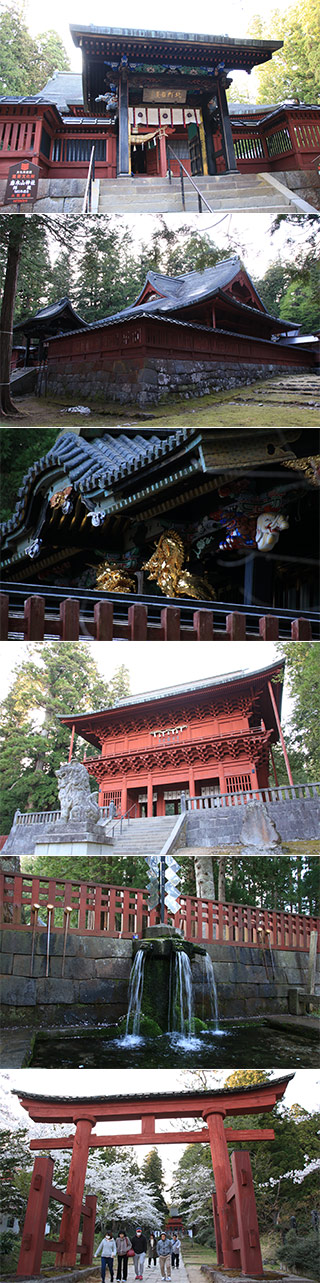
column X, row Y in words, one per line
column 139, row 1244
column 123, row 1245
column 176, row 1247
column 107, row 1250
column 164, row 1249
column 152, row 1250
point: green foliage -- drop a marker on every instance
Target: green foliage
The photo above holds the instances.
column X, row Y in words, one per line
column 152, row 1174
column 19, row 449
column 26, row 63
column 303, row 677
column 302, row 1251
column 291, row 288
column 52, row 681
column 294, row 71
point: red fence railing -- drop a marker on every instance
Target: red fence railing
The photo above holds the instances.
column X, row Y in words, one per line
column 35, row 619
column 123, row 911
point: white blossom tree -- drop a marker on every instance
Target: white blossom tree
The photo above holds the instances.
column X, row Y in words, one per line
column 122, row 1195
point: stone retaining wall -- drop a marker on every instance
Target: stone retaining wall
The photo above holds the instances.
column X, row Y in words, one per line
column 295, row 819
column 97, row 970
column 157, row 379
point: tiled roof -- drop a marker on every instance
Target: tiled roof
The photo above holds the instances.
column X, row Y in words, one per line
column 91, row 465
column 61, row 311
column 156, row 1096
column 64, row 88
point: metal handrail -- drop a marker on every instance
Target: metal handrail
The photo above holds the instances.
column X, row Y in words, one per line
column 119, row 819
column 201, row 199
column 86, row 207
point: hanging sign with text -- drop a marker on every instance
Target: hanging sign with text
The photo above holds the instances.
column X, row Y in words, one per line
column 22, row 183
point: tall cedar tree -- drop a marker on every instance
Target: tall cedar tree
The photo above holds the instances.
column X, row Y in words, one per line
column 26, row 62
column 53, row 680
column 15, row 232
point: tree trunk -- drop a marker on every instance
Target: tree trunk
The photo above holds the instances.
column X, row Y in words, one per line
column 222, row 881
column 203, row 868
column 17, row 228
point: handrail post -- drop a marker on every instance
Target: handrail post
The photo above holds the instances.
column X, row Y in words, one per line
column 199, row 203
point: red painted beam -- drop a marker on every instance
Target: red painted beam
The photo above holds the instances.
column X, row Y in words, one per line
column 158, row 1138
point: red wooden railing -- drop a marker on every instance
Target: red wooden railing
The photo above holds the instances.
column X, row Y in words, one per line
column 123, row 911
column 35, row 619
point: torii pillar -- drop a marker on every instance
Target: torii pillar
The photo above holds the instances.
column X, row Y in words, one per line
column 223, row 1181
column 70, row 1222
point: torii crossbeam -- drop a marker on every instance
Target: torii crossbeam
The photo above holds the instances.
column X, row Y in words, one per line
column 234, row 1209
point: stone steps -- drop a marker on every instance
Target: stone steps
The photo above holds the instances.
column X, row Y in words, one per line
column 222, row 191
column 144, row 836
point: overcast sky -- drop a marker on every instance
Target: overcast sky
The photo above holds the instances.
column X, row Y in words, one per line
column 174, row 15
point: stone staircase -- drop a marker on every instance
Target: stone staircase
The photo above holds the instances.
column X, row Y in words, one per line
column 143, row 836
column 23, row 380
column 149, row 195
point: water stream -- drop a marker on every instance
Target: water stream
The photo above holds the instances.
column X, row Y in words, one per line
column 210, row 987
column 135, row 995
column 182, row 1004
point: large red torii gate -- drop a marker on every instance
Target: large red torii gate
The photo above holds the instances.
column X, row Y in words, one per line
column 234, row 1208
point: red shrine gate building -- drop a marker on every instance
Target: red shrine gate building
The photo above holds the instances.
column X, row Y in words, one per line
column 234, row 1208
column 211, row 737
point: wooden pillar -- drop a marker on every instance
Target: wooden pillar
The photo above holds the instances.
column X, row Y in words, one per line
column 150, row 796
column 284, row 750
column 71, row 743
column 202, row 136
column 70, row 1222
column 124, row 797
column 37, row 142
column 211, row 159
column 123, row 163
column 226, row 127
column 223, row 1182
column 191, row 782
column 248, row 1229
column 36, row 1217
column 163, row 154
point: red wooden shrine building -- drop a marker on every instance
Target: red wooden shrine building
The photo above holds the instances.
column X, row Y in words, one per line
column 234, row 1209
column 143, row 92
column 214, row 737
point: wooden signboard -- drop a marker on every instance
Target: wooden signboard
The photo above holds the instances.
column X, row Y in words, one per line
column 164, row 95
column 22, row 183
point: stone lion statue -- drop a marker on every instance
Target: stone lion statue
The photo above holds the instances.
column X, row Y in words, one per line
column 74, row 794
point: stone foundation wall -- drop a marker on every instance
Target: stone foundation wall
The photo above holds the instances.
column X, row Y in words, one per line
column 96, row 979
column 157, row 379
column 296, row 818
column 55, row 195
column 304, row 182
